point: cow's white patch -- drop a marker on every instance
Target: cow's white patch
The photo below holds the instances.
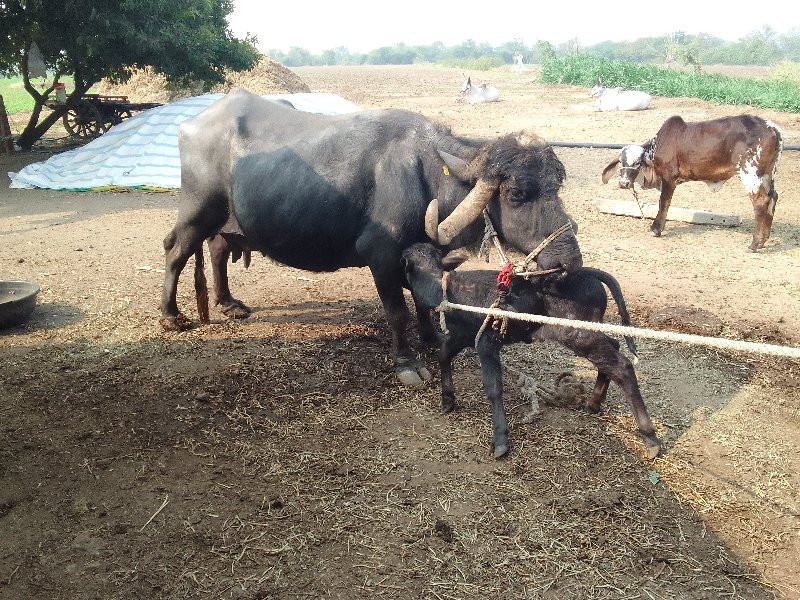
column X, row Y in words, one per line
column 748, row 172
column 631, row 155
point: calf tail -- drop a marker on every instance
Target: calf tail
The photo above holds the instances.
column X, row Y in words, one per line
column 616, row 292
column 200, row 286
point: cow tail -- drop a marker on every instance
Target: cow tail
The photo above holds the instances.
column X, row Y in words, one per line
column 200, row 286
column 616, row 292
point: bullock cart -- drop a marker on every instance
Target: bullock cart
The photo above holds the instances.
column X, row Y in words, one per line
column 94, row 114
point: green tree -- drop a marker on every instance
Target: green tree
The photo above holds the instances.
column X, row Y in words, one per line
column 186, row 40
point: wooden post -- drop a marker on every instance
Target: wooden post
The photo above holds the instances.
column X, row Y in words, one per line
column 5, row 129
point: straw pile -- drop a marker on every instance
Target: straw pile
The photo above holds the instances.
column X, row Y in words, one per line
column 267, row 77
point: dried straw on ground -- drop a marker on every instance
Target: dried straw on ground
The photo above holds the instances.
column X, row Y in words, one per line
column 267, row 77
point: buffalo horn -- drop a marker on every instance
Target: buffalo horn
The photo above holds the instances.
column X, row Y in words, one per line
column 432, row 220
column 466, row 212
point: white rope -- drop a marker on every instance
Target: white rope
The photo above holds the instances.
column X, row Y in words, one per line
column 698, row 340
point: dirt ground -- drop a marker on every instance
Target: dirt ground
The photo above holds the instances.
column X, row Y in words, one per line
column 278, row 457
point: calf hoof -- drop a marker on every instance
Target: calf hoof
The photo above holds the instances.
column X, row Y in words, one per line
column 412, row 374
column 655, row 232
column 175, row 323
column 448, row 405
column 235, row 310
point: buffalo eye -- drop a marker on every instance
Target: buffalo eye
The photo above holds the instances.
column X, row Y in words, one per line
column 515, row 195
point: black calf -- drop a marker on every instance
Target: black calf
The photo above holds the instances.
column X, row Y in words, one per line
column 579, row 295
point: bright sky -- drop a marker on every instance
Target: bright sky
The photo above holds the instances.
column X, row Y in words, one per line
column 363, row 26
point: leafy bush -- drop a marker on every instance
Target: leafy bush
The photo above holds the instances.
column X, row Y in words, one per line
column 585, row 69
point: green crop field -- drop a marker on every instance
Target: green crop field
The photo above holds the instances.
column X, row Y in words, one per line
column 778, row 93
column 14, row 96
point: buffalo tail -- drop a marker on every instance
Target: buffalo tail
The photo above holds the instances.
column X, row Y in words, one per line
column 200, row 286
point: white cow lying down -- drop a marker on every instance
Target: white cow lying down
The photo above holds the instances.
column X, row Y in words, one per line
column 619, row 99
column 478, row 94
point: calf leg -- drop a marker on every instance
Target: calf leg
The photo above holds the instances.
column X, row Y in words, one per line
column 608, row 360
column 764, row 208
column 447, row 352
column 491, row 370
column 663, row 207
column 594, row 404
column 220, row 254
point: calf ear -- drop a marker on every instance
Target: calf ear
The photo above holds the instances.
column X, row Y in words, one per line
column 609, row 170
column 453, row 259
column 648, row 177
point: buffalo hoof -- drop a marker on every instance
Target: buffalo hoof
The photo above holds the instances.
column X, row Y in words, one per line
column 412, row 376
column 175, row 323
column 652, row 447
column 655, row 232
column 235, row 310
column 448, row 405
column 500, row 450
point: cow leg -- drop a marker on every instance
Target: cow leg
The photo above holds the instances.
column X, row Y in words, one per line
column 220, row 255
column 764, row 207
column 409, row 370
column 664, row 201
column 492, row 373
column 609, row 361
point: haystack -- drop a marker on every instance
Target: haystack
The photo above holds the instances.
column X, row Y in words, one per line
column 267, row 77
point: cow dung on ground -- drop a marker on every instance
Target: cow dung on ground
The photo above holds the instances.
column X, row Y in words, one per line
column 266, row 77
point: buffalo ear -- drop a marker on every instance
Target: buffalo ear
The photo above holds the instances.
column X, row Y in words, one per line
column 453, row 259
column 609, row 170
column 458, row 167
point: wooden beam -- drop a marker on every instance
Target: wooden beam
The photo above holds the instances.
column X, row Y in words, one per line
column 676, row 213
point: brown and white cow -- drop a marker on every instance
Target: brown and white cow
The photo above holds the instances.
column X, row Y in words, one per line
column 710, row 151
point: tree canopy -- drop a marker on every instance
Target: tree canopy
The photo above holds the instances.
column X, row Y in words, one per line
column 186, row 40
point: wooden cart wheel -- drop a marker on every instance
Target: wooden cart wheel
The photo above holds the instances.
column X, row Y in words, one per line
column 118, row 116
column 84, row 121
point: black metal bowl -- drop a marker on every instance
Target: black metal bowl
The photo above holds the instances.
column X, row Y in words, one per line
column 17, row 301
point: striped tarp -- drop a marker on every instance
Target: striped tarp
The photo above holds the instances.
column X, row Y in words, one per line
column 142, row 151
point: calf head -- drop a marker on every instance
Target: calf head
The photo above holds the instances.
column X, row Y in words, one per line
column 635, row 165
column 516, row 180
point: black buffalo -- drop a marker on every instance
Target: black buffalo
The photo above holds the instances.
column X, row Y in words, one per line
column 578, row 295
column 325, row 192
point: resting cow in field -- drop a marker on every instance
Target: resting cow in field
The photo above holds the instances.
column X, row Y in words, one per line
column 578, row 295
column 710, row 151
column 325, row 192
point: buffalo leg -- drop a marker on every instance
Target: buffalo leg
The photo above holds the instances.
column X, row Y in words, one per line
column 409, row 370
column 220, row 253
column 492, row 373
column 178, row 247
column 663, row 207
column 608, row 360
column 764, row 208
column 200, row 222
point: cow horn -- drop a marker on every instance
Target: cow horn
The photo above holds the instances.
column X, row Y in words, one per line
column 432, row 220
column 466, row 212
